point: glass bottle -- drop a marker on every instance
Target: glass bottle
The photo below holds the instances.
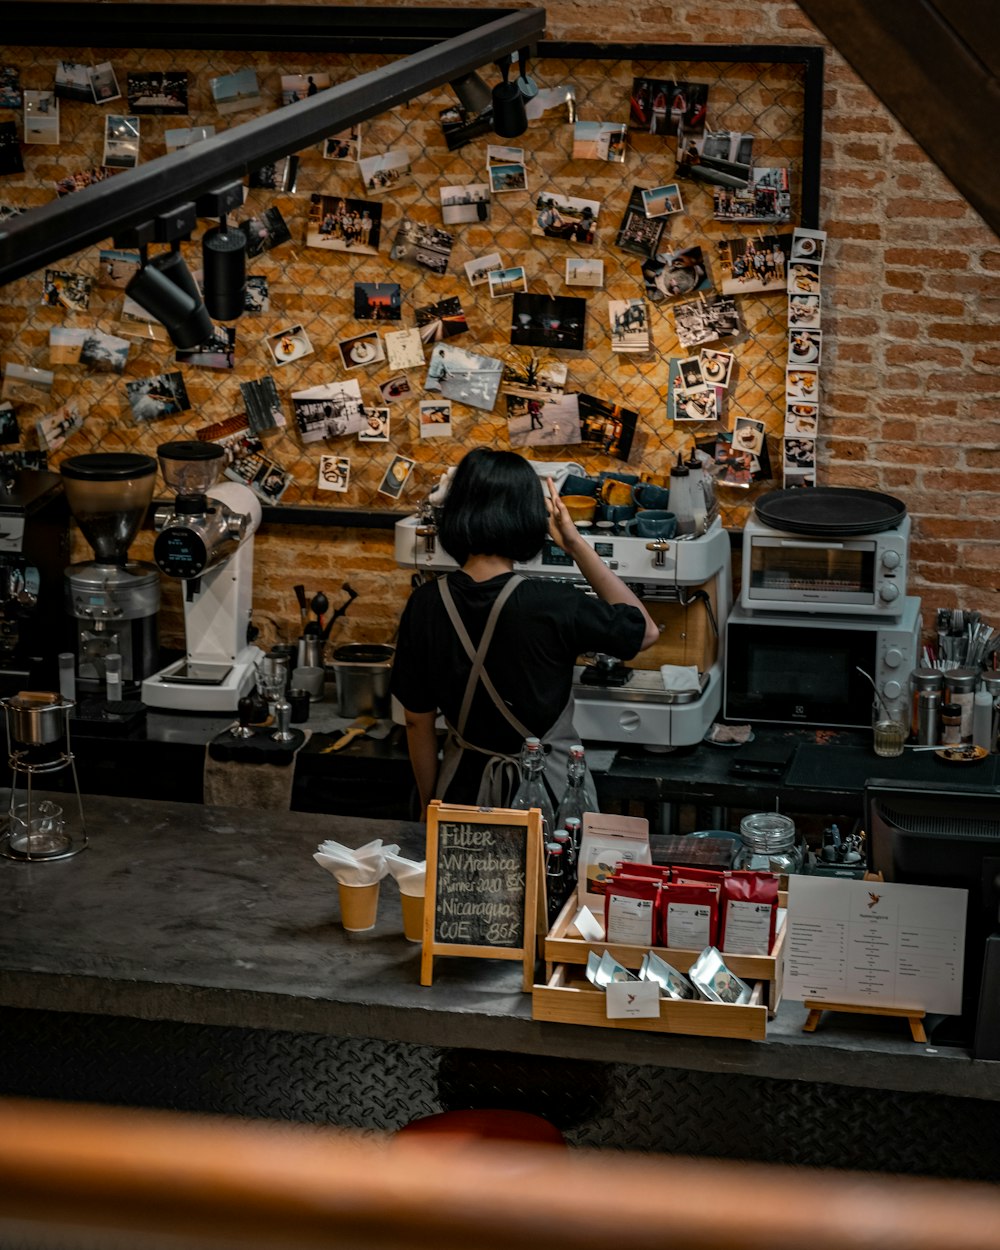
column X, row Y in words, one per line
column 568, row 857
column 555, row 882
column 951, row 724
column 768, row 844
column 533, row 792
column 579, row 796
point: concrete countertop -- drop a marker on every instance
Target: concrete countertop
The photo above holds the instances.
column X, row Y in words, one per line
column 220, row 916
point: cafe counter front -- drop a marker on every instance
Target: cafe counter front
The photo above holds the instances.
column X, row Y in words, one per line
column 193, row 958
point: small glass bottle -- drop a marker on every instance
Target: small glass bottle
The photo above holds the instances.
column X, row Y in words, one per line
column 568, row 857
column 768, row 844
column 533, row 792
column 951, row 724
column 555, row 883
column 578, row 797
column 982, row 719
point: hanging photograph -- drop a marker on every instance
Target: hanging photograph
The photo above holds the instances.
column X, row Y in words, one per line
column 386, row 172
column 279, row 175
column 423, row 246
column 295, row 87
column 548, row 321
column 650, row 106
column 802, row 383
column 344, row 146
column 361, row 350
column 716, row 367
column 265, row 231
column 566, row 217
column 638, row 233
column 104, row 83
column 258, row 295
column 121, row 141
column 721, row 157
column 72, row 82
column 765, row 198
column 435, row 418
column 804, row 278
column 662, row 201
column 344, row 225
column 10, row 431
column 599, row 141
column 801, row 420
column 376, row 426
column 263, row 404
column 107, row 353
column 232, row 93
column 70, row 291
column 443, row 320
column 334, row 473
column 65, row 345
column 512, row 177
column 289, row 345
column 54, row 429
column 218, row 353
column 669, row 275
column 804, row 312
column 464, row 376
column 163, row 92
column 404, row 349
column 503, row 282
column 11, row 161
column 151, row 399
column 478, row 269
column 703, row 320
column 605, row 427
column 805, row 347
column 809, row 245
column 584, row 271
column 545, row 420
column 186, row 136
column 629, row 325
column 41, row 117
column 10, row 87
column 377, row 301
column 396, row 476
column 533, row 374
column 464, row 204
column 395, row 389
column 754, row 263
column 332, row 410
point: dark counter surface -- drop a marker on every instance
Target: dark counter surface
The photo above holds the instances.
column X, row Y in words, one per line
column 220, row 916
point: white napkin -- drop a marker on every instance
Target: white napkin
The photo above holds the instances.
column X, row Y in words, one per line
column 410, row 876
column 363, row 866
column 680, row 677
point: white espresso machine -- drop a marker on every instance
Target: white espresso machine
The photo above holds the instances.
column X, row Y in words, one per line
column 686, row 585
column 205, row 540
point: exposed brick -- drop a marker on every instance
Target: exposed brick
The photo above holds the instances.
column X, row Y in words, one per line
column 858, row 353
column 964, row 333
column 857, row 124
column 909, row 152
column 863, row 151
column 927, row 304
column 854, row 229
column 964, row 284
column 987, row 359
column 921, row 207
column 919, row 354
column 906, row 279
column 927, row 257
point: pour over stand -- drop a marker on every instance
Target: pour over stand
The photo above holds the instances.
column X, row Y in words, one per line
column 39, row 846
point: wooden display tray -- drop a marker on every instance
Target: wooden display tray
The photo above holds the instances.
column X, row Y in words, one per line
column 559, row 948
column 568, row 1001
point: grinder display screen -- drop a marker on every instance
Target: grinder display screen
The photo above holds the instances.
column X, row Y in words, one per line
column 180, row 552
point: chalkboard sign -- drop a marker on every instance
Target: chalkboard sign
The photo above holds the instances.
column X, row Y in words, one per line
column 482, row 885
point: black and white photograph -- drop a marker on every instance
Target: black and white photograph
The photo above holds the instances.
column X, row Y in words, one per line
column 332, row 410
column 690, row 376
column 258, row 294
column 533, row 375
column 723, row 158
column 478, row 269
column 404, row 349
column 265, row 477
column 10, row 431
column 121, row 141
column 442, row 320
column 795, row 478
column 638, row 233
column 584, row 271
column 334, row 473
column 423, row 246
column 566, row 217
column 163, row 92
column 805, row 347
column 11, row 160
column 800, row 453
column 765, row 198
column 41, row 117
column 670, row 275
column 70, row 291
column 265, row 231
column 802, row 384
column 606, row 428
column 753, row 263
column 804, row 278
column 10, row 87
column 801, row 420
column 511, row 177
column 151, row 399
column 553, row 419
column 804, row 312
column 279, row 175
column 504, row 282
column 376, row 426
column 104, row 83
column 56, row 427
column 344, row 225
column 262, row 404
column 295, row 87
column 343, row 146
column 553, row 321
column 599, row 141
column 464, row 376
column 468, row 203
column 232, row 93
column 716, row 367
column 388, row 171
column 289, row 344
column 218, row 353
column 377, row 301
column 809, row 245
column 434, row 416
column 662, row 201
column 396, row 476
column 105, row 353
column 629, row 324
column 395, row 389
column 65, row 345
column 72, row 82
column 694, row 406
column 703, row 320
column 361, row 350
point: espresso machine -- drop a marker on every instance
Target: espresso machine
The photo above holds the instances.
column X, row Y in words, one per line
column 115, row 601
column 205, row 540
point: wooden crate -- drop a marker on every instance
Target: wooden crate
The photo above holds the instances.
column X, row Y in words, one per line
column 560, row 948
column 569, row 1001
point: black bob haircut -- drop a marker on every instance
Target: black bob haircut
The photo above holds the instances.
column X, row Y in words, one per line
column 495, row 506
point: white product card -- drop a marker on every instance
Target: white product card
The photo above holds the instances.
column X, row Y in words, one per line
column 629, row 1000
column 630, row 920
column 875, row 943
column 748, row 927
column 689, row 926
column 587, row 926
column 606, row 839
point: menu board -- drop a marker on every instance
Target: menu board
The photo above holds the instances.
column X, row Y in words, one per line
column 482, row 885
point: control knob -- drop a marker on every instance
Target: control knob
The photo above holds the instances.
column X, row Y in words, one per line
column 893, row 658
column 892, row 689
column 888, row 591
column 890, row 560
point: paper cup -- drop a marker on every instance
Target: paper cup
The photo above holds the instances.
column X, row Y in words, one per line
column 358, row 906
column 413, row 916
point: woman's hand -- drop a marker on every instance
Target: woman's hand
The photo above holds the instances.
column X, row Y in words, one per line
column 562, row 531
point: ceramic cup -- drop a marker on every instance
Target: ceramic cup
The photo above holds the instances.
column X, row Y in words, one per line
column 311, row 680
column 574, row 484
column 618, row 513
column 649, row 495
column 413, row 916
column 654, row 523
column 615, row 493
column 358, row 906
column 580, row 507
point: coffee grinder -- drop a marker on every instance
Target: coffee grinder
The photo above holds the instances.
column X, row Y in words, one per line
column 205, row 540
column 114, row 600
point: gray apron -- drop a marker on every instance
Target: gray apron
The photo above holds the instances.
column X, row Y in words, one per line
column 502, row 774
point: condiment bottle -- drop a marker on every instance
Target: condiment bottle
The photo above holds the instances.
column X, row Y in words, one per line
column 982, row 720
column 923, row 678
column 928, row 717
column 960, row 688
column 682, row 501
column 951, row 724
column 533, row 792
column 699, row 502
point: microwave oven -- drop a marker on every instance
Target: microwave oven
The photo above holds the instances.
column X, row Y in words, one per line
column 803, row 670
column 862, row 574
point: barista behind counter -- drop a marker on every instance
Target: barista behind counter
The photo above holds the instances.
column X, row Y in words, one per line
column 531, row 632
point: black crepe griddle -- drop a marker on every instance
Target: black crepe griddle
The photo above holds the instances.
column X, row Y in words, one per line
column 830, row 511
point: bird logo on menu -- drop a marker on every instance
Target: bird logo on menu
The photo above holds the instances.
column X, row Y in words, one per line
column 873, row 900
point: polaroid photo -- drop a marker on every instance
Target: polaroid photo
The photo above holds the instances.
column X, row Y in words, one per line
column 690, row 375
column 459, row 126
column 376, row 427
column 435, row 418
column 233, row 435
column 765, row 198
column 694, row 406
column 802, row 384
column 70, row 291
column 557, row 321
column 796, row 479
column 377, row 301
column 268, row 479
column 103, row 83
column 151, row 399
column 116, row 267
column 670, row 275
column 262, row 404
column 343, row 146
column 804, row 278
column 279, row 175
column 232, row 93
column 503, row 154
column 532, row 375
column 464, row 376
column 808, row 245
column 566, row 217
column 295, row 87
column 10, row 431
column 478, row 269
column 651, row 106
column 72, row 81
column 805, row 347
column 404, row 349
column 258, row 294
column 65, row 345
column 395, row 389
column 426, row 247
column 804, row 312
column 386, row 172
column 219, row 352
column 733, row 467
column 606, row 428
column 344, row 225
column 265, row 231
column 396, row 476
column 584, row 271
column 10, row 87
column 662, row 201
column 442, row 320
column 468, row 203
column 289, row 344
column 748, row 435
column 54, row 429
column 121, row 141
column 801, row 420
column 41, row 117
column 599, row 141
column 361, row 350
column 508, row 178
column 332, row 410
column 11, row 160
column 507, row 281
column 716, row 367
column 164, row 92
column 754, row 263
column 84, row 178
column 105, row 353
column 26, row 382
column 638, row 233
column 629, row 324
column 799, row 453
column 551, row 419
column 334, row 473
column 186, row 136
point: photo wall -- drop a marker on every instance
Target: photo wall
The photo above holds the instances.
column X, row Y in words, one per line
column 612, row 287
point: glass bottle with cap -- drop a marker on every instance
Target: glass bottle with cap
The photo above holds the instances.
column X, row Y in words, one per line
column 960, row 689
column 533, row 792
column 922, row 679
column 768, row 844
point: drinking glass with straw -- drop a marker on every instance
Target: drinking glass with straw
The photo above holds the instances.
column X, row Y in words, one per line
column 888, row 730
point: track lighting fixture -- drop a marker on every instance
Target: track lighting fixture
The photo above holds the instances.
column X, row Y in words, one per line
column 509, row 117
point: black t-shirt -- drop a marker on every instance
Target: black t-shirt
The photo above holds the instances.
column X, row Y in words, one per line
column 542, row 629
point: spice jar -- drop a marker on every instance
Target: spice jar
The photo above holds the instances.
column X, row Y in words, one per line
column 921, row 679
column 951, row 724
column 928, row 717
column 960, row 688
column 768, row 844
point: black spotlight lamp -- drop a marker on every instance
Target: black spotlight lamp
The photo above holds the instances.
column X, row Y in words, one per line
column 473, row 94
column 223, row 255
column 164, row 286
column 509, row 117
column 525, row 83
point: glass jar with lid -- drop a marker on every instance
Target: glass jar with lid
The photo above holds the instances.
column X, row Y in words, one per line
column 768, row 844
